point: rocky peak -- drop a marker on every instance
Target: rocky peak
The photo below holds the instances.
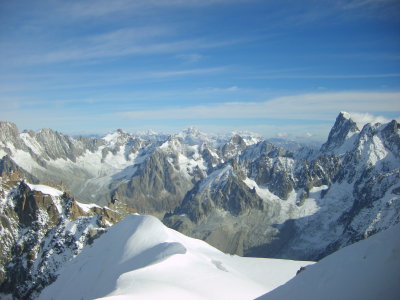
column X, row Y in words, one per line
column 8, row 131
column 9, row 137
column 340, row 134
column 391, row 137
column 56, row 145
column 92, row 144
column 234, row 147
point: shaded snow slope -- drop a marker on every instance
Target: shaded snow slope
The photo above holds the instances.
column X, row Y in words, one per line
column 140, row 257
column 369, row 269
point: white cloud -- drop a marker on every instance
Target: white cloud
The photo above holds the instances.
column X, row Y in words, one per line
column 320, row 106
column 363, row 118
column 282, row 134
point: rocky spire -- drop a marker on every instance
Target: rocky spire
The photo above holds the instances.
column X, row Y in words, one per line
column 343, row 129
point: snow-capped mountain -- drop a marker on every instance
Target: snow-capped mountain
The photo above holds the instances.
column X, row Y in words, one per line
column 271, row 202
column 141, row 258
column 342, row 136
column 241, row 194
column 366, row 270
column 41, row 228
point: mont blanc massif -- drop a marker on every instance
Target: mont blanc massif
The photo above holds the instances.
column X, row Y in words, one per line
column 199, row 216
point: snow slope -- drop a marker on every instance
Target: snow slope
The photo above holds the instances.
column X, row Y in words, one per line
column 140, row 257
column 369, row 269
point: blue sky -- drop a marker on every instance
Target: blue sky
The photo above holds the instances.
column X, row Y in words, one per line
column 278, row 68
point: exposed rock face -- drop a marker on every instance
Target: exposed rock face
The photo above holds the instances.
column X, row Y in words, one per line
column 151, row 173
column 9, row 133
column 9, row 169
column 224, row 190
column 233, row 147
column 157, row 186
column 315, row 205
column 238, row 193
column 343, row 129
column 40, row 231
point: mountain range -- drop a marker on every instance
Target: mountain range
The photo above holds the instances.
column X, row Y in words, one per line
column 240, row 193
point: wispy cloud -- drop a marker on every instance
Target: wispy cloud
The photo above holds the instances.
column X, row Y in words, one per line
column 333, row 76
column 55, row 81
column 311, row 12
column 190, row 58
column 375, row 9
column 165, row 74
column 355, row 4
column 124, row 42
column 363, row 118
column 215, row 90
column 324, row 106
column 103, row 8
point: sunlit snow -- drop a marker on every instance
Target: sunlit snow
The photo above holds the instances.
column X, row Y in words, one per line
column 141, row 258
column 367, row 270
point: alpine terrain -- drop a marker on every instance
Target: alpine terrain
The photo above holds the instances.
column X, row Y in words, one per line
column 41, row 228
column 239, row 193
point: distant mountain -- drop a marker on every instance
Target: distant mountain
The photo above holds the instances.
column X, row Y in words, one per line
column 295, row 145
column 367, row 270
column 239, row 193
column 272, row 202
column 141, row 168
column 141, row 258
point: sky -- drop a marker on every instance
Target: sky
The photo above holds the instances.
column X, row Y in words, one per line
column 278, row 68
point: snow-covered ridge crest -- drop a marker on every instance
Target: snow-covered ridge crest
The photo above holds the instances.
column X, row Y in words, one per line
column 141, row 258
column 56, row 194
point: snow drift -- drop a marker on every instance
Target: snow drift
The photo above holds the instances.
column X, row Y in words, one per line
column 140, row 257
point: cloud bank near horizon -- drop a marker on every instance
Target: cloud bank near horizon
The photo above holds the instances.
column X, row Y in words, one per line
column 315, row 106
column 306, row 116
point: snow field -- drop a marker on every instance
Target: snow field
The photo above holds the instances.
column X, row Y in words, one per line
column 141, row 258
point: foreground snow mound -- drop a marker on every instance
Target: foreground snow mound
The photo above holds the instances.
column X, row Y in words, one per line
column 140, row 257
column 369, row 269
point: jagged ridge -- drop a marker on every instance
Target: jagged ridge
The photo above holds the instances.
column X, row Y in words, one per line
column 41, row 228
column 239, row 193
